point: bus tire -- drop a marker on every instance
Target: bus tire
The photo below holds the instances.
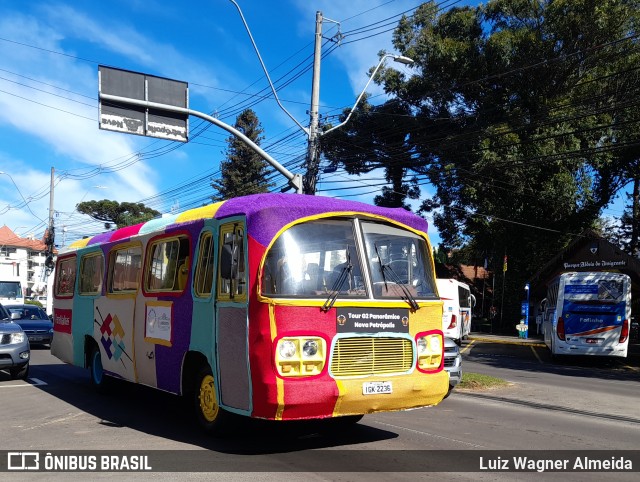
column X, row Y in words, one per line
column 555, row 358
column 99, row 380
column 210, row 416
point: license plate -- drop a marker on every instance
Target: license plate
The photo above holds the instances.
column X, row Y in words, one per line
column 375, row 388
column 593, row 341
column 35, row 338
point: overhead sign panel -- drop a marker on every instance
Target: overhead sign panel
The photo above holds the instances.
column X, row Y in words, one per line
column 123, row 116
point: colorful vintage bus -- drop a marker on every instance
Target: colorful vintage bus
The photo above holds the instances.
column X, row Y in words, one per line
column 588, row 313
column 273, row 306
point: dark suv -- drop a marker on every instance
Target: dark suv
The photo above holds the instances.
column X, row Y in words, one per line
column 14, row 347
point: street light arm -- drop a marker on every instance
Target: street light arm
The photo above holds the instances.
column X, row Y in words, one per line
column 397, row 58
column 295, row 180
column 264, row 68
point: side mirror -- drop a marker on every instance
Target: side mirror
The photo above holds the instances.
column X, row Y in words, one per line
column 228, row 266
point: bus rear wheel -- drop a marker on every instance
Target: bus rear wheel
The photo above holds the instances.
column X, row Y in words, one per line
column 210, row 416
column 96, row 372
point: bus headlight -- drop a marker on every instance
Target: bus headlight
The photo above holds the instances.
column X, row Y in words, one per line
column 422, row 345
column 298, row 356
column 287, row 349
column 429, row 347
column 310, row 348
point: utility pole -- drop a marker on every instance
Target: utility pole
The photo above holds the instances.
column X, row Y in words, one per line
column 311, row 176
column 50, row 237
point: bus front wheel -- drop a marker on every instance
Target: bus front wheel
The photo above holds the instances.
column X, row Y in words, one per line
column 210, row 416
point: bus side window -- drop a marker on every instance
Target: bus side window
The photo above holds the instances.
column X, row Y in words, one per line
column 66, row 277
column 204, row 269
column 232, row 278
column 91, row 274
column 124, row 269
column 168, row 264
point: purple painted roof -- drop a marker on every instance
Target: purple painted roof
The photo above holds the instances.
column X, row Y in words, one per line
column 270, row 212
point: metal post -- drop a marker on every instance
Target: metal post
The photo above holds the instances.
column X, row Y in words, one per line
column 311, row 176
column 50, row 238
column 526, row 315
column 51, row 200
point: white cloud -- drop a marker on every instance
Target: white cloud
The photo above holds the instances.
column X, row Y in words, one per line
column 359, row 56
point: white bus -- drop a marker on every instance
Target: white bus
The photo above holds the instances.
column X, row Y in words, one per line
column 588, row 313
column 457, row 308
column 11, row 290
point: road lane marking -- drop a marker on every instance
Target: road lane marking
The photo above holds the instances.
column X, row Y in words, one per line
column 70, row 416
column 468, row 346
column 34, row 382
column 536, row 354
column 427, row 433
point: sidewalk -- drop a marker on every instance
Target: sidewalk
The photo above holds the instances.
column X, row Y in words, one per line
column 513, row 340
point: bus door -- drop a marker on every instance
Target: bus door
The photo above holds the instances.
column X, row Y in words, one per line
column 232, row 350
column 63, row 317
column 164, row 310
column 114, row 314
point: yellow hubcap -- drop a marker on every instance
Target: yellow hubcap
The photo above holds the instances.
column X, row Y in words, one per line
column 207, row 396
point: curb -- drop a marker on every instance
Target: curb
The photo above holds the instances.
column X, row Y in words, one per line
column 505, row 341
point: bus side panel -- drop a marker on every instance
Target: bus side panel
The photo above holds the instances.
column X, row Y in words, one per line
column 113, row 332
column 169, row 358
column 264, row 385
column 263, row 378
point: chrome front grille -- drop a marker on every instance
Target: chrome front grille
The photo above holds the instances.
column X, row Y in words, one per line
column 364, row 356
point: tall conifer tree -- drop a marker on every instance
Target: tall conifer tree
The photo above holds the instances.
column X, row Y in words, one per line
column 243, row 171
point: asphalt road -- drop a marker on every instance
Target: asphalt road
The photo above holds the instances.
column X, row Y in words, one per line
column 577, row 406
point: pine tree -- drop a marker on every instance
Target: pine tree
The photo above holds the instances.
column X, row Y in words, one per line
column 243, row 171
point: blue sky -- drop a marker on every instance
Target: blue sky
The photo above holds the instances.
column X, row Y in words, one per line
column 49, row 57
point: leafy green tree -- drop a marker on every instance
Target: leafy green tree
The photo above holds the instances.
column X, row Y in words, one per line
column 243, row 171
column 120, row 214
column 376, row 139
column 624, row 232
column 524, row 120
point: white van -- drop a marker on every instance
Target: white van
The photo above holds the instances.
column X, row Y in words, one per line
column 11, row 290
column 457, row 308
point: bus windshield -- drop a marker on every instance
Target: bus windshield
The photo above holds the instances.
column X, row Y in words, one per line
column 308, row 259
column 405, row 254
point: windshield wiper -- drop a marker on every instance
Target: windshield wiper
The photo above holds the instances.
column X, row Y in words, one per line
column 337, row 285
column 384, row 278
column 396, row 279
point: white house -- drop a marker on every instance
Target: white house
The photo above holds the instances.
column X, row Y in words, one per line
column 24, row 258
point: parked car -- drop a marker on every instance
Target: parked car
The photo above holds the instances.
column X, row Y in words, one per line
column 452, row 363
column 34, row 322
column 14, row 347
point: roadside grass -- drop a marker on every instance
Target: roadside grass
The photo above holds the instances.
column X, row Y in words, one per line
column 476, row 381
